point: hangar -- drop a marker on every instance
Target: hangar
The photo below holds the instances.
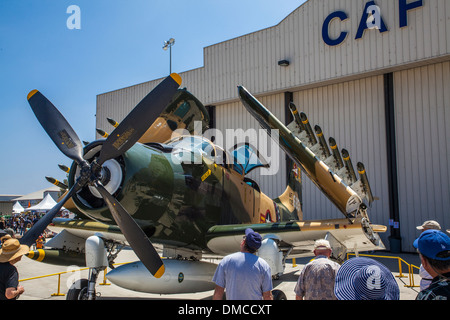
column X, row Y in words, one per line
column 375, row 75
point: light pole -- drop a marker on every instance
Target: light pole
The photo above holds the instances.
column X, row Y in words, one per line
column 168, row 44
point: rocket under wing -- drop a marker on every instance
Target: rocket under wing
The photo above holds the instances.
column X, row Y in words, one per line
column 333, row 186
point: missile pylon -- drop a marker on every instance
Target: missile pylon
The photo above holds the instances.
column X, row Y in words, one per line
column 57, row 183
column 113, row 122
column 348, row 165
column 322, row 142
column 102, row 133
column 58, row 257
column 296, row 116
column 309, row 131
column 64, row 168
column 365, row 181
column 335, row 152
column 342, row 196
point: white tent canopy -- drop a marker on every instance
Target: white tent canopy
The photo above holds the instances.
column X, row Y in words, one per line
column 46, row 204
column 17, row 207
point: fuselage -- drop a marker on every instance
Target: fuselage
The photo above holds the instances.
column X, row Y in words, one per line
column 177, row 191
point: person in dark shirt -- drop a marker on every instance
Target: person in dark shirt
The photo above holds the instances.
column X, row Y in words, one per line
column 11, row 253
column 434, row 250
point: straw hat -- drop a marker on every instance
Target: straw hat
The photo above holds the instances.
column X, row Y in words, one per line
column 12, row 249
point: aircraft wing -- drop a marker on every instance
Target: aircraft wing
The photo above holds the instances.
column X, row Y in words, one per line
column 328, row 179
column 298, row 237
column 72, row 234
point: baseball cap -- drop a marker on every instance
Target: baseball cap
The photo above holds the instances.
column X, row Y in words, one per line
column 252, row 239
column 365, row 279
column 322, row 243
column 429, row 224
column 431, row 243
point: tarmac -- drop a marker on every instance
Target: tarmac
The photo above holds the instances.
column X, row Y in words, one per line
column 42, row 282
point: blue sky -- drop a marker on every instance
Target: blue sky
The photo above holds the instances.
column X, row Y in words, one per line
column 119, row 45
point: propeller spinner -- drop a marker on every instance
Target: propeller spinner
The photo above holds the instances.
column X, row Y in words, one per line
column 125, row 135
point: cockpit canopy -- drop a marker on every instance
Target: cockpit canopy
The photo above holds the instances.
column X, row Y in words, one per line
column 244, row 157
column 247, row 158
column 191, row 149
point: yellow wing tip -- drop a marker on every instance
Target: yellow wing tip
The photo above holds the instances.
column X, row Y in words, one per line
column 32, row 93
column 160, row 272
column 176, row 77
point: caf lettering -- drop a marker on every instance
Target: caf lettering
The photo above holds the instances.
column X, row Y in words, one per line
column 371, row 18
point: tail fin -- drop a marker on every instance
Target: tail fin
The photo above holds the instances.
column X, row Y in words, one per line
column 290, row 201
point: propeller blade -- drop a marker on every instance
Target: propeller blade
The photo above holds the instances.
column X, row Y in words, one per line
column 31, row 235
column 137, row 239
column 56, row 126
column 137, row 122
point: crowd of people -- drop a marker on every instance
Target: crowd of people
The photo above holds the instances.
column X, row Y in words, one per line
column 245, row 276
column 17, row 224
column 12, row 228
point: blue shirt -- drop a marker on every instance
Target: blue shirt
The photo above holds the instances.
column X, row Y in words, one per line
column 244, row 276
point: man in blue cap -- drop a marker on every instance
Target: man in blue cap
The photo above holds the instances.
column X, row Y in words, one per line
column 434, row 250
column 244, row 275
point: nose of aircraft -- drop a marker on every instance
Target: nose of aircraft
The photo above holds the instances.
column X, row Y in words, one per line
column 141, row 179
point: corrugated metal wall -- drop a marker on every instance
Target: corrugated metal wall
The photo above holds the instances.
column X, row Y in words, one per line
column 251, row 60
column 422, row 102
column 352, row 113
column 341, row 89
column 234, row 116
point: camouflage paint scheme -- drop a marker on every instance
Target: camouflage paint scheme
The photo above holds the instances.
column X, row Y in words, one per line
column 183, row 194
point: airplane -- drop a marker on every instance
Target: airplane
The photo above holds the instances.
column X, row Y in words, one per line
column 142, row 185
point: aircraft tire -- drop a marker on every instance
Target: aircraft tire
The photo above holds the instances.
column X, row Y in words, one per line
column 78, row 290
column 278, row 295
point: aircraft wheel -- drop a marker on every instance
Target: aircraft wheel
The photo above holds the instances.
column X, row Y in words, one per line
column 78, row 290
column 278, row 295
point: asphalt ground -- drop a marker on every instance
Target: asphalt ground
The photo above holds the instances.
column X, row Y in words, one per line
column 54, row 287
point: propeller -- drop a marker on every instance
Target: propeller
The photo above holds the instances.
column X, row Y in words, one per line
column 56, row 126
column 38, row 228
column 124, row 136
column 137, row 122
column 137, row 239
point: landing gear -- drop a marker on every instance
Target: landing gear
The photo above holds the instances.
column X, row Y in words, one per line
column 98, row 256
column 278, row 295
column 84, row 289
column 78, row 290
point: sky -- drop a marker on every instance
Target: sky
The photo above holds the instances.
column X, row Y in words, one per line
column 118, row 44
